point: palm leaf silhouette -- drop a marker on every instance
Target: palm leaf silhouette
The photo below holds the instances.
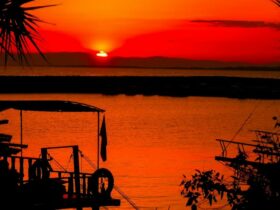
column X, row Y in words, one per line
column 18, row 30
column 277, row 2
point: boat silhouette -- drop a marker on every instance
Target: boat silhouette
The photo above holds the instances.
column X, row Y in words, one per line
column 42, row 187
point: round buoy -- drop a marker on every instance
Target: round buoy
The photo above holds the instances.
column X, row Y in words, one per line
column 39, row 170
column 101, row 183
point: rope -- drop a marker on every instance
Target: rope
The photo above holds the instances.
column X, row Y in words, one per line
column 81, row 163
column 115, row 187
column 57, row 162
column 126, row 197
column 244, row 123
column 69, row 161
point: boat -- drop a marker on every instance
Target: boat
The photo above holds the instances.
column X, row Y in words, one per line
column 254, row 183
column 42, row 187
column 262, row 154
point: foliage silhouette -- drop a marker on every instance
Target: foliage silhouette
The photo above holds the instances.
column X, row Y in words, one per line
column 18, row 29
column 255, row 183
column 277, row 2
column 262, row 193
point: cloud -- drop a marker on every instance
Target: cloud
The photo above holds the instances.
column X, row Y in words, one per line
column 241, row 23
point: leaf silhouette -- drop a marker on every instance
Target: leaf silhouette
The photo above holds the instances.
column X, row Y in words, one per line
column 277, row 2
column 18, row 30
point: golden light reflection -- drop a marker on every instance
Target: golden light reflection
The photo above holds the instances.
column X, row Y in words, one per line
column 102, row 45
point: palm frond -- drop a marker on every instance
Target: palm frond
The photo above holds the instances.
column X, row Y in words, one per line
column 18, row 29
column 277, row 2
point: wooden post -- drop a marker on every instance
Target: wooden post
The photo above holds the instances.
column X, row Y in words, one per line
column 98, row 116
column 70, row 186
column 84, row 185
column 21, row 170
column 21, row 134
column 29, row 167
column 77, row 175
column 44, row 153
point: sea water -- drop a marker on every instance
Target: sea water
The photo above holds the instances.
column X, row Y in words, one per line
column 152, row 140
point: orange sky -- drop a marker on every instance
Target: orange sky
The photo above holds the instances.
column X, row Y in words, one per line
column 239, row 30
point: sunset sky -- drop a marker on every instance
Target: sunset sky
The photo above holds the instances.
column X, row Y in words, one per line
column 239, row 30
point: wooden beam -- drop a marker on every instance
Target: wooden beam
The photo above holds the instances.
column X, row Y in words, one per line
column 242, row 143
column 23, row 146
column 60, row 147
column 77, row 174
column 2, row 122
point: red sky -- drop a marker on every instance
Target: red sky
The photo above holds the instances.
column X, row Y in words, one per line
column 240, row 30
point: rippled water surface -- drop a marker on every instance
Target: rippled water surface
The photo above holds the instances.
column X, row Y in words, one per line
column 152, row 140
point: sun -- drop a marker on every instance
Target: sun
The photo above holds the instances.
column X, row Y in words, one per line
column 102, row 53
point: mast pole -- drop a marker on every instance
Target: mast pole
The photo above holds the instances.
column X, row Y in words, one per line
column 98, row 116
column 21, row 163
column 21, row 132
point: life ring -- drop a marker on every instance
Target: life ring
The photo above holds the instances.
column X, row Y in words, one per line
column 40, row 170
column 101, row 190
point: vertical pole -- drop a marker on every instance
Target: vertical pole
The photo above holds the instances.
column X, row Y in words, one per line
column 21, row 170
column 84, row 185
column 29, row 168
column 98, row 116
column 44, row 154
column 21, row 162
column 21, row 135
column 77, row 176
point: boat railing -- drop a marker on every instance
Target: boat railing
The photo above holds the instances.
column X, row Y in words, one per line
column 261, row 152
column 240, row 146
column 35, row 177
column 68, row 179
column 18, row 163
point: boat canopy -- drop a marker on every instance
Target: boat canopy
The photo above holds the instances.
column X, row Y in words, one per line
column 48, row 105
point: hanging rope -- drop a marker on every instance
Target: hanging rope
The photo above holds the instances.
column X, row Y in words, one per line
column 126, row 197
column 69, row 161
column 115, row 187
column 81, row 163
column 57, row 162
column 245, row 122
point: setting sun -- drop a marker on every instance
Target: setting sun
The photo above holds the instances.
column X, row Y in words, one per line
column 193, row 29
column 101, row 53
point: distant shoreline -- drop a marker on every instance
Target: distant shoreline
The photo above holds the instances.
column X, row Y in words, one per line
column 233, row 68
column 84, row 59
column 214, row 86
column 238, row 68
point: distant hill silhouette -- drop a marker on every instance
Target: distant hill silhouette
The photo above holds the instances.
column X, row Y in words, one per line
column 57, row 59
column 76, row 59
column 166, row 62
